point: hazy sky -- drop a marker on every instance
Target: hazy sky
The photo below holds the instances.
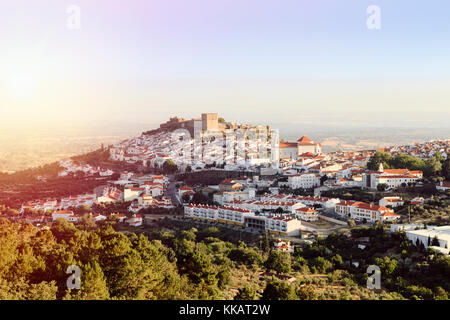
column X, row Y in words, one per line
column 281, row 61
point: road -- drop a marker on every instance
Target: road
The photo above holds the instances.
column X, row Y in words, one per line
column 172, row 191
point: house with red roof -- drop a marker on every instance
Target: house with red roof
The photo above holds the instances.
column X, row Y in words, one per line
column 282, row 246
column 63, row 214
column 391, row 201
column 361, row 211
column 307, row 214
column 304, row 146
column 393, row 178
column 443, row 186
column 136, row 220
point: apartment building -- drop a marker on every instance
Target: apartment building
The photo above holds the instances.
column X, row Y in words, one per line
column 304, row 180
column 361, row 211
column 244, row 218
column 283, row 226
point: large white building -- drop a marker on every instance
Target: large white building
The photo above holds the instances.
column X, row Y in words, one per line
column 426, row 236
column 262, row 206
column 361, row 211
column 306, row 200
column 244, row 218
column 283, row 226
column 393, row 178
column 304, row 145
column 304, row 180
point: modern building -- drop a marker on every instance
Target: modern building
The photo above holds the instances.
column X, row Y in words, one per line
column 240, row 217
column 287, row 227
column 431, row 236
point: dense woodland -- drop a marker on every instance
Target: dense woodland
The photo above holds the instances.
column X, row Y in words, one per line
column 176, row 261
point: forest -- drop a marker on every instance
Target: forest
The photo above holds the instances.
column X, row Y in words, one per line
column 178, row 261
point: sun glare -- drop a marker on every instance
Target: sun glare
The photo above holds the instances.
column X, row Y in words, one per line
column 21, row 86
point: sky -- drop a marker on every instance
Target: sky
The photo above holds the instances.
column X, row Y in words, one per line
column 284, row 62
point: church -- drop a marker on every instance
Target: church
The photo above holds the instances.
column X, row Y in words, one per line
column 303, row 145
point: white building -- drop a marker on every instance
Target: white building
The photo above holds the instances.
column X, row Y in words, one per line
column 233, row 215
column 283, row 246
column 63, row 214
column 443, row 186
column 201, row 212
column 230, row 196
column 391, row 201
column 243, row 218
column 393, row 178
column 426, row 236
column 307, row 214
column 283, row 226
column 130, row 194
column 136, row 220
column 304, row 180
column 361, row 211
column 110, row 194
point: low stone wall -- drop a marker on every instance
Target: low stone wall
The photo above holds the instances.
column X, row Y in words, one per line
column 333, row 220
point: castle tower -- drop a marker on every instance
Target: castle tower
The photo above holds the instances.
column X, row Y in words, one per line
column 210, row 122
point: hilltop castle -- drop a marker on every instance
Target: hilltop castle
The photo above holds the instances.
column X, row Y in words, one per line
column 209, row 122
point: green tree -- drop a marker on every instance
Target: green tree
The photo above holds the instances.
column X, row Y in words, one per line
column 306, row 293
column 246, row 293
column 377, row 158
column 93, row 284
column 321, row 264
column 169, row 166
column 279, row 262
column 279, row 290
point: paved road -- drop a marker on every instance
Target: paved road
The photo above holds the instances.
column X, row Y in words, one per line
column 172, row 191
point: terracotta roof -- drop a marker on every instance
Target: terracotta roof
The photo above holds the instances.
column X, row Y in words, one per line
column 396, row 171
column 288, row 145
column 304, row 139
